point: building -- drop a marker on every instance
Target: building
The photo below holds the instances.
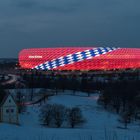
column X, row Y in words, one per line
column 8, row 109
column 80, row 58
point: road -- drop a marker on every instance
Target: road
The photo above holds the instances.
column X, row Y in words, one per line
column 12, row 79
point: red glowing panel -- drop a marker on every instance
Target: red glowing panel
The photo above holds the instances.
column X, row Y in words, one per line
column 83, row 58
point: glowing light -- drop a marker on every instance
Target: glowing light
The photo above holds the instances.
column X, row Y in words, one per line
column 91, row 58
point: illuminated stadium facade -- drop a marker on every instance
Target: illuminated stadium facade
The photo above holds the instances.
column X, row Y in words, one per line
column 80, row 58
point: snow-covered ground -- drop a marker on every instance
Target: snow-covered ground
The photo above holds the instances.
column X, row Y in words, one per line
column 100, row 125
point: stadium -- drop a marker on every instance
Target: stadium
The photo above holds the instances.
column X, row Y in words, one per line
column 80, row 58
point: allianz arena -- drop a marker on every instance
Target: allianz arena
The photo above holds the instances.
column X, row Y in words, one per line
column 80, row 58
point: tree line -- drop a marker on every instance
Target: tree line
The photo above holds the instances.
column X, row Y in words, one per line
column 56, row 115
column 123, row 97
column 76, row 82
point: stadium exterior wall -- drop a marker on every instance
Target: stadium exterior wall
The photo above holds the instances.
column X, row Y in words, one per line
column 80, row 58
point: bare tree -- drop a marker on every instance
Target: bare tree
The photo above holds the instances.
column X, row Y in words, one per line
column 59, row 113
column 125, row 119
column 46, row 115
column 75, row 117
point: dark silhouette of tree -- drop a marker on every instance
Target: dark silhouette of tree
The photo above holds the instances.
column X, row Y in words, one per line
column 75, row 117
column 59, row 113
column 46, row 115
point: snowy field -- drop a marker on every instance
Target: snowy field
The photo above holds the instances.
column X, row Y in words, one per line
column 100, row 125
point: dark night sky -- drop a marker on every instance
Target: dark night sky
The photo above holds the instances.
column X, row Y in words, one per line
column 51, row 23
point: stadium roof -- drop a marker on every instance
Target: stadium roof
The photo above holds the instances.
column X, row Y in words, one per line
column 80, row 58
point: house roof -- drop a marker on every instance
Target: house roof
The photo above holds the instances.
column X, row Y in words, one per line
column 3, row 97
